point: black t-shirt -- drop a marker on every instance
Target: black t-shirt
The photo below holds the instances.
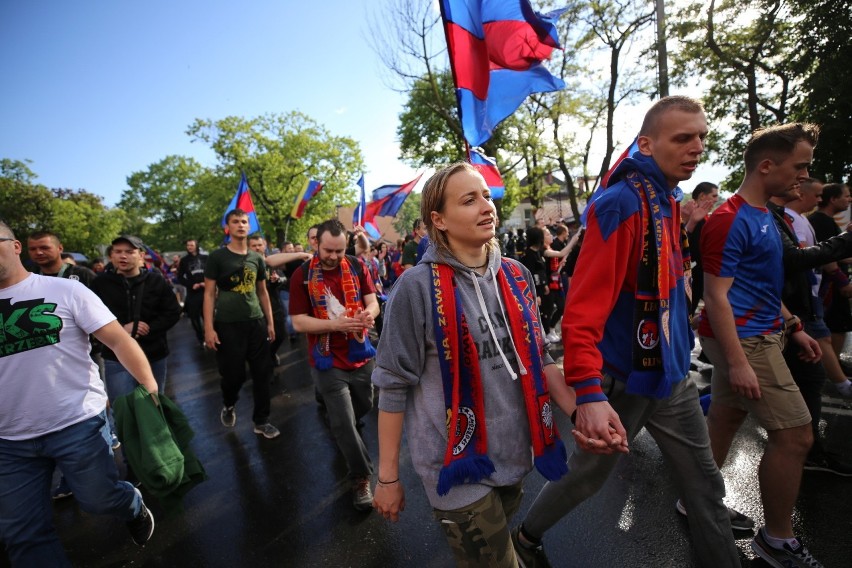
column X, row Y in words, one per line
column 535, row 263
column 824, row 226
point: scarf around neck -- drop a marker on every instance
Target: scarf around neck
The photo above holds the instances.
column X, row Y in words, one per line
column 359, row 346
column 466, row 458
column 652, row 372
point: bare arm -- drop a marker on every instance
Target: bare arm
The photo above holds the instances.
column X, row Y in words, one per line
column 563, row 395
column 389, row 499
column 280, row 259
column 129, row 354
column 211, row 339
column 740, row 374
column 266, row 307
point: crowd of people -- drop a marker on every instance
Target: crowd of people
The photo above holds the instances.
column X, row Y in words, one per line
column 450, row 328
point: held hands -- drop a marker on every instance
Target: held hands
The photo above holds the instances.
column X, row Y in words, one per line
column 389, row 500
column 599, row 430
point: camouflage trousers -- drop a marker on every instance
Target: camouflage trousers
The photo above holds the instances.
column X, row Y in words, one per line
column 479, row 533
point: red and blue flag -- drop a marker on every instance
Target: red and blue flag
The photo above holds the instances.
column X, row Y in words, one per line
column 311, row 189
column 632, row 149
column 496, row 50
column 488, row 168
column 242, row 200
column 358, row 214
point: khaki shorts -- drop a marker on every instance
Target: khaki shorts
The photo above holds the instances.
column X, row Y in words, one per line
column 781, row 405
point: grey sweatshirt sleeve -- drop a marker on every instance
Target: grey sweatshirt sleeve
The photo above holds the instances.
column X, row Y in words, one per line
column 401, row 354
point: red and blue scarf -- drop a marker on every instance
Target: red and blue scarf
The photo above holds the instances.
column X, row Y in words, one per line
column 652, row 373
column 360, row 347
column 466, row 458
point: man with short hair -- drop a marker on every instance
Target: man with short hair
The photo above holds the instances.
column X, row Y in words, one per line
column 234, row 289
column 637, row 300
column 53, row 409
column 704, row 198
column 742, row 332
column 333, row 300
column 46, row 250
column 409, row 253
column 146, row 308
column 191, row 276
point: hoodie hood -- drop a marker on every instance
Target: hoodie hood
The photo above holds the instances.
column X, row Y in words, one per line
column 432, row 254
column 648, row 167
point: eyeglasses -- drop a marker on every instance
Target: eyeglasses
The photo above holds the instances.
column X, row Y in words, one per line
column 4, row 239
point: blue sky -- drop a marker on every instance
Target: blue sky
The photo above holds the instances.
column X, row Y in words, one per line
column 97, row 90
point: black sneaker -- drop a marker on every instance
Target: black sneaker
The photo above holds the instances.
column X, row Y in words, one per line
column 528, row 556
column 62, row 490
column 267, row 430
column 142, row 526
column 787, row 557
column 228, row 416
column 739, row 521
column 362, row 495
column 828, row 464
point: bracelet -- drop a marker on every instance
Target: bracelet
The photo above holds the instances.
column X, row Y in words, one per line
column 388, row 482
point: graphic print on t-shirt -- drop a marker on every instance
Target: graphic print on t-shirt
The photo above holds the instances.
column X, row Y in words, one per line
column 27, row 325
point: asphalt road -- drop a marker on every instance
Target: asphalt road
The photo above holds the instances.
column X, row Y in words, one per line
column 284, row 502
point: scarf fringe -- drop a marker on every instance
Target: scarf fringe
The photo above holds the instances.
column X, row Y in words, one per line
column 471, row 469
column 322, row 362
column 650, row 383
column 553, row 462
column 360, row 350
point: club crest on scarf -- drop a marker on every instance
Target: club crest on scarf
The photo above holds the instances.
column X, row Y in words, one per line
column 465, row 427
column 647, row 334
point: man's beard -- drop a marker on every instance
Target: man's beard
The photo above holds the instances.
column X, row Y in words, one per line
column 330, row 264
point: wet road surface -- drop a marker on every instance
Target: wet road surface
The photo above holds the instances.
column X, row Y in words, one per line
column 285, row 502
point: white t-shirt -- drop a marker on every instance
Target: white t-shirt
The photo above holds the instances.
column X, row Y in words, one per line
column 807, row 237
column 47, row 379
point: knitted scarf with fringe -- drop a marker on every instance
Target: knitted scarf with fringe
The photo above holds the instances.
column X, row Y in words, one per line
column 652, row 373
column 466, row 458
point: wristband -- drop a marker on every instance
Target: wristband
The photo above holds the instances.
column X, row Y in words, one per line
column 380, row 482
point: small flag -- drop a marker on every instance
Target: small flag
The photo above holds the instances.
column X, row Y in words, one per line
column 488, row 168
column 632, row 149
column 358, row 214
column 242, row 200
column 311, row 189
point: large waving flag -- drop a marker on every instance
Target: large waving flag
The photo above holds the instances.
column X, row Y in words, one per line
column 358, row 214
column 311, row 188
column 242, row 200
column 496, row 50
column 488, row 168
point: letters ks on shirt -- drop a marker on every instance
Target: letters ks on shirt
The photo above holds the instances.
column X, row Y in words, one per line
column 27, row 325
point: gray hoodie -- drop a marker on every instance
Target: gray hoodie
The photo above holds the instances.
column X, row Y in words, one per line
column 409, row 377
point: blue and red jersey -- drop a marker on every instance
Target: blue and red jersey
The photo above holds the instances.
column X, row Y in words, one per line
column 742, row 242
column 598, row 329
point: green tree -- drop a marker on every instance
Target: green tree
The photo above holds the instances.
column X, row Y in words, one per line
column 83, row 222
column 171, row 200
column 407, row 214
column 747, row 61
column 823, row 31
column 280, row 153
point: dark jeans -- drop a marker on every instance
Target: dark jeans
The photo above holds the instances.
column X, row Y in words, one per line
column 193, row 305
column 26, row 470
column 241, row 342
column 280, row 321
column 810, row 378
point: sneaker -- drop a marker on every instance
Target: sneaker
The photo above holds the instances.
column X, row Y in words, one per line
column 267, row 430
column 739, row 522
column 62, row 490
column 528, row 557
column 228, row 416
column 362, row 495
column 843, row 390
column 114, row 441
column 142, row 526
column 828, row 464
column 787, row 557
column 553, row 338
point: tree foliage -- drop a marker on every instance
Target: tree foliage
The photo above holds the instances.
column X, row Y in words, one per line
column 279, row 154
column 79, row 217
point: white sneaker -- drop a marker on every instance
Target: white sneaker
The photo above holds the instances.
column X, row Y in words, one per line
column 553, row 338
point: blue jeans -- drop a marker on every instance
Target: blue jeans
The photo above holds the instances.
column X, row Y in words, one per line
column 120, row 382
column 285, row 301
column 26, row 470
